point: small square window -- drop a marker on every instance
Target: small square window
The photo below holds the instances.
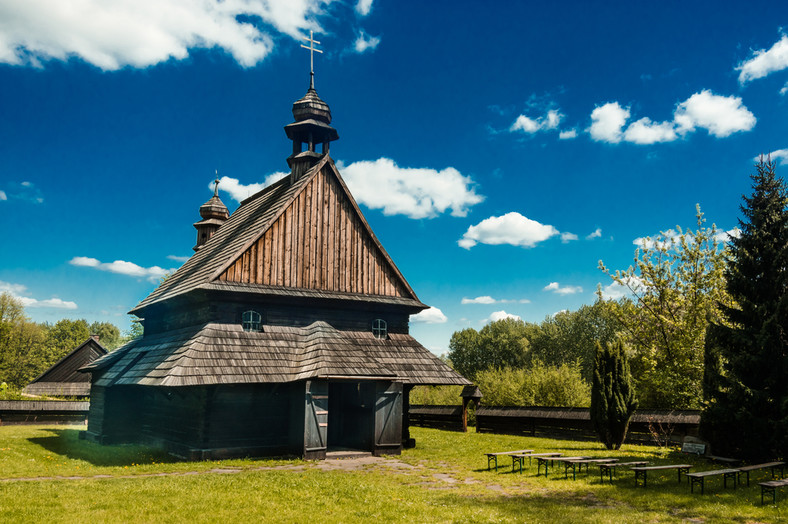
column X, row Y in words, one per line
column 251, row 321
column 379, row 328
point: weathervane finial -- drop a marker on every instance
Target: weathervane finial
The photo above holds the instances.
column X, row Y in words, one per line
column 312, row 51
column 216, row 184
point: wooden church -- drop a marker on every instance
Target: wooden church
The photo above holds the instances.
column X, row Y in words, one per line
column 285, row 333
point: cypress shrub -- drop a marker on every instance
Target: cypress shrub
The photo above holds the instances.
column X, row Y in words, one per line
column 612, row 395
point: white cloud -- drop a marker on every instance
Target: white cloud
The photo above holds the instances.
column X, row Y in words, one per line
column 784, row 89
column 413, row 192
column 727, row 236
column 432, row 315
column 18, row 290
column 177, row 258
column 3, row 195
column 764, row 62
column 555, row 287
column 239, row 191
column 667, row 239
column 365, row 42
column 549, row 121
column 363, row 7
column 568, row 237
column 501, row 315
column 720, row 115
column 511, row 228
column 567, row 134
column 614, row 290
column 778, row 156
column 594, row 234
column 121, row 267
column 644, row 131
column 607, row 122
column 479, row 300
column 141, row 33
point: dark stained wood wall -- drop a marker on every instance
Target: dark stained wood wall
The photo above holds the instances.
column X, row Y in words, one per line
column 319, row 242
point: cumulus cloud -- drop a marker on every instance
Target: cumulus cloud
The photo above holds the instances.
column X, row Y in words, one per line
column 594, row 234
column 727, row 236
column 413, row 192
column 18, row 291
column 365, row 42
column 630, row 285
column 431, row 315
column 607, row 122
column 24, row 191
column 720, row 115
column 511, row 228
column 363, row 7
column 177, row 258
column 784, row 89
column 567, row 134
column 141, row 33
column 122, row 267
column 763, row 62
column 3, row 196
column 555, row 287
column 239, row 191
column 568, row 237
column 501, row 315
column 528, row 125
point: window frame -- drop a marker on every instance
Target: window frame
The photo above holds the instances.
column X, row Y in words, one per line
column 380, row 329
column 252, row 324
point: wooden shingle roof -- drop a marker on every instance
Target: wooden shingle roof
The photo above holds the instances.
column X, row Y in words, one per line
column 225, row 354
column 299, row 238
column 63, row 378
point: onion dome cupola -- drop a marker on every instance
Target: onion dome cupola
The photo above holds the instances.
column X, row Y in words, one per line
column 214, row 213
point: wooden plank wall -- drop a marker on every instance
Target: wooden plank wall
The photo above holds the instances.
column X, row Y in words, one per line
column 319, row 242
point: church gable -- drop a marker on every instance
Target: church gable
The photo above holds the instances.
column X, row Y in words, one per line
column 319, row 242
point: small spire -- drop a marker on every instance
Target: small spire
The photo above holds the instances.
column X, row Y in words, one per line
column 216, row 185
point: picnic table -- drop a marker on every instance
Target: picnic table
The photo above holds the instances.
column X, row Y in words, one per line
column 520, row 457
column 545, row 460
column 700, row 476
column 771, row 486
column 494, row 456
column 641, row 472
column 610, row 468
column 765, row 465
column 579, row 463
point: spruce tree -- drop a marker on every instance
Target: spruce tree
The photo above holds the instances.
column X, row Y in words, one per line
column 746, row 412
column 612, row 395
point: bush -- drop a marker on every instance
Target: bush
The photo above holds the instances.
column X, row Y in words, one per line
column 537, row 385
column 436, row 395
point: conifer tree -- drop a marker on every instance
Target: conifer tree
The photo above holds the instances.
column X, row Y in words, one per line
column 746, row 412
column 612, row 395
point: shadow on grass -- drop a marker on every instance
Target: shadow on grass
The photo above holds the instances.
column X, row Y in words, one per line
column 66, row 442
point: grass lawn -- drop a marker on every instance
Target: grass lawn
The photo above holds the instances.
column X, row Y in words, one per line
column 444, row 479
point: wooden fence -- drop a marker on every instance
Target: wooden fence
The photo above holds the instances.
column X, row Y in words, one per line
column 647, row 426
column 43, row 411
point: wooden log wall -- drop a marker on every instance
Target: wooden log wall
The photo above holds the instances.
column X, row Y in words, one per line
column 438, row 417
column 319, row 242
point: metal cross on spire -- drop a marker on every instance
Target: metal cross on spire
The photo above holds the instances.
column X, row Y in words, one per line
column 312, row 51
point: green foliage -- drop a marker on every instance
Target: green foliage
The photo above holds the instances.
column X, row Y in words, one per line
column 746, row 414
column 436, row 395
column 503, row 343
column 678, row 285
column 536, row 385
column 612, row 395
column 109, row 334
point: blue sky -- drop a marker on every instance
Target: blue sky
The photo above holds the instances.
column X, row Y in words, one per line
column 498, row 152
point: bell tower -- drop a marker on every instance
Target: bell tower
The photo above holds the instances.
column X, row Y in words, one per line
column 312, row 124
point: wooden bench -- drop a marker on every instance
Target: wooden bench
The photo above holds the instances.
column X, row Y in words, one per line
column 519, row 459
column 700, row 477
column 579, row 464
column 771, row 486
column 540, row 461
column 641, row 472
column 494, row 456
column 765, row 465
column 610, row 467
